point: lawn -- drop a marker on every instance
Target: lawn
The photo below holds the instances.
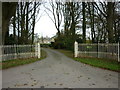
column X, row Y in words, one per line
column 101, row 63
column 13, row 63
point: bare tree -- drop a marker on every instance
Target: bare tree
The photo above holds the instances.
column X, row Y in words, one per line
column 8, row 10
column 56, row 10
column 84, row 21
column 110, row 11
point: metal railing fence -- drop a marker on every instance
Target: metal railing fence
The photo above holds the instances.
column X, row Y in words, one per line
column 99, row 50
column 10, row 52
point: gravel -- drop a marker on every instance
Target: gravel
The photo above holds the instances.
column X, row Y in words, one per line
column 58, row 71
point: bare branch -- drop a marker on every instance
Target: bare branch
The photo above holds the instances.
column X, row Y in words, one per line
column 97, row 7
column 49, row 16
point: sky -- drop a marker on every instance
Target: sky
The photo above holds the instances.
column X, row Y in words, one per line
column 45, row 27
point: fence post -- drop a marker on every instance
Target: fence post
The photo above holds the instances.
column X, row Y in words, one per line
column 14, row 46
column 118, row 52
column 76, row 49
column 1, row 53
column 36, row 50
column 39, row 51
column 98, row 50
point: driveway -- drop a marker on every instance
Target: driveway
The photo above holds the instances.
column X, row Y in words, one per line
column 58, row 71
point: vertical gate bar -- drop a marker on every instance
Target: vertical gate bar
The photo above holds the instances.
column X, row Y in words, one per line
column 98, row 50
column 118, row 52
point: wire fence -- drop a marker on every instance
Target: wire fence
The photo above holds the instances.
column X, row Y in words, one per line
column 10, row 52
column 100, row 50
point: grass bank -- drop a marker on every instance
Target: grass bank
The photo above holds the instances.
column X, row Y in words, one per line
column 18, row 62
column 101, row 63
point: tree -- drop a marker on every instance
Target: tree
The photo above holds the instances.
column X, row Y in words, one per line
column 91, row 13
column 33, row 22
column 84, row 22
column 110, row 13
column 8, row 10
column 27, row 22
column 18, row 24
column 56, row 10
column 24, row 22
column 71, row 14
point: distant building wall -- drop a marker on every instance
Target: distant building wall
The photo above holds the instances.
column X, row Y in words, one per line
column 46, row 40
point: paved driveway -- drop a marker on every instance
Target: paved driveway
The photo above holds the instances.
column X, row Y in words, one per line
column 57, row 70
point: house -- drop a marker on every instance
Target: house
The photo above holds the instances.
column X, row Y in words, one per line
column 46, row 40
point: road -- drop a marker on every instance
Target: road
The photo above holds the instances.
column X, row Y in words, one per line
column 58, row 71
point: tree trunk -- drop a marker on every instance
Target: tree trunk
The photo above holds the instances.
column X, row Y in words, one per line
column 110, row 8
column 21, row 22
column 91, row 12
column 8, row 10
column 23, row 8
column 33, row 22
column 18, row 39
column 14, row 30
column 84, row 22
column 93, row 23
column 26, row 35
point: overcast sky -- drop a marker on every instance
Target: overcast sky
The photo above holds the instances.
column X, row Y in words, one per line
column 45, row 26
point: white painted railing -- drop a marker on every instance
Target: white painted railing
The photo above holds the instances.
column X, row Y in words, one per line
column 10, row 52
column 99, row 50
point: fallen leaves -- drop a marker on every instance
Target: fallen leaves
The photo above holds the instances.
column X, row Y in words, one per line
column 67, row 73
column 88, row 78
column 54, row 83
column 91, row 84
column 18, row 85
column 60, row 84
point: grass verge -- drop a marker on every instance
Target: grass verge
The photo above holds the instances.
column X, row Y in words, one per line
column 17, row 62
column 101, row 63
